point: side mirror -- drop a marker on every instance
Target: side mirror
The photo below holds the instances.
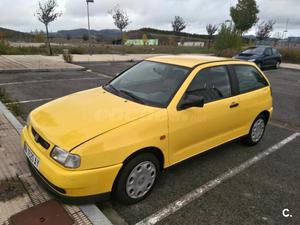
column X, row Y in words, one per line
column 189, row 101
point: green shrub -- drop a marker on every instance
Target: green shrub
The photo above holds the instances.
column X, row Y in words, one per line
column 67, row 56
column 227, row 39
column 27, row 50
column 4, row 46
column 77, row 50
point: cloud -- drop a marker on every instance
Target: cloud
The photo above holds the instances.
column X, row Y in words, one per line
column 142, row 13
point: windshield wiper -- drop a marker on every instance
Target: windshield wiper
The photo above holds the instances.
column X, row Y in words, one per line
column 112, row 88
column 132, row 96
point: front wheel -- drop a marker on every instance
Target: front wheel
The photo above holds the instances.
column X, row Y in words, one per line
column 137, row 178
column 256, row 132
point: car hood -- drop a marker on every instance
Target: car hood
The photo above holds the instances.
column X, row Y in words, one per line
column 74, row 119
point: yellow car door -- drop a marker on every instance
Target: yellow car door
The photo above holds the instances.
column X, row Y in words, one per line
column 196, row 129
column 254, row 94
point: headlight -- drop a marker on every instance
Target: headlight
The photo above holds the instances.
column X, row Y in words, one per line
column 65, row 158
column 252, row 60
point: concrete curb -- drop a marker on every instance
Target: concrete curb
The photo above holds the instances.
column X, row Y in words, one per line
column 91, row 211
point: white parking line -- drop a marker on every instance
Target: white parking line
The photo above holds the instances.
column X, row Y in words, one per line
column 42, row 81
column 29, row 101
column 195, row 194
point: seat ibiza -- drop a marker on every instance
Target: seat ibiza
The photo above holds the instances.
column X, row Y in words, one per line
column 116, row 139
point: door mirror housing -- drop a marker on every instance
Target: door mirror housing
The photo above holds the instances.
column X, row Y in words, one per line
column 190, row 101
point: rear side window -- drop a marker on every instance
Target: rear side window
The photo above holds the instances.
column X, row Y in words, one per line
column 275, row 51
column 211, row 83
column 268, row 51
column 249, row 78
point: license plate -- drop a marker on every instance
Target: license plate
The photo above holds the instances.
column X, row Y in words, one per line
column 31, row 156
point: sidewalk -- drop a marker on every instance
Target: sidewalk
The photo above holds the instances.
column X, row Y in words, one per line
column 290, row 66
column 37, row 63
column 18, row 189
column 109, row 57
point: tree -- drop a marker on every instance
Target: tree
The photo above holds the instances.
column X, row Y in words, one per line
column 85, row 37
column 244, row 15
column 227, row 39
column 264, row 29
column 120, row 17
column 145, row 39
column 211, row 30
column 39, row 37
column 178, row 24
column 46, row 13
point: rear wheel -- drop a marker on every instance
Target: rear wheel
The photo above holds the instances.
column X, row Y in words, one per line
column 137, row 178
column 256, row 132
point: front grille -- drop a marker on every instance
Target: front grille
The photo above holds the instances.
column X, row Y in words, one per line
column 38, row 139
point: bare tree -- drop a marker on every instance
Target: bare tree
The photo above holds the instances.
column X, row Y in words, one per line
column 264, row 29
column 211, row 30
column 46, row 13
column 178, row 24
column 120, row 17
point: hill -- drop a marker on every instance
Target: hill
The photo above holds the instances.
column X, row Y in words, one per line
column 13, row 35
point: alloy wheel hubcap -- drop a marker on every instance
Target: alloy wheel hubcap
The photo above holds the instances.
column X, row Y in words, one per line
column 258, row 130
column 141, row 179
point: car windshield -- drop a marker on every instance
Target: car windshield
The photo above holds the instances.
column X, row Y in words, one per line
column 149, row 83
column 254, row 51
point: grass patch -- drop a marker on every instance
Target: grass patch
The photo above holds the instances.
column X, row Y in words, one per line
column 11, row 104
column 291, row 55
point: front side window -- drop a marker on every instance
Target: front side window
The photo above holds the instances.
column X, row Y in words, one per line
column 211, row 83
column 149, row 83
column 249, row 78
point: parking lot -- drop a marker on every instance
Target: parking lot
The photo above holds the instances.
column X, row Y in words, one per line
column 257, row 194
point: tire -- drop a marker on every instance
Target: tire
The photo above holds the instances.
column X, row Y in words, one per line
column 136, row 179
column 256, row 132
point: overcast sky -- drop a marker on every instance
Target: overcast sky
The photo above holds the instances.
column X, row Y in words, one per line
column 19, row 14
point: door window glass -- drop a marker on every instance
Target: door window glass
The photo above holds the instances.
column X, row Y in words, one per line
column 211, row 83
column 249, row 78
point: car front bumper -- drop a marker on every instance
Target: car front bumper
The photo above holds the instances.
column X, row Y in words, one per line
column 65, row 182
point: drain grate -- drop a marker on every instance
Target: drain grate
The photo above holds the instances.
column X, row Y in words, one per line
column 47, row 213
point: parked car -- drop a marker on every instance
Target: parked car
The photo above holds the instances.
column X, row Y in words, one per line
column 119, row 137
column 263, row 56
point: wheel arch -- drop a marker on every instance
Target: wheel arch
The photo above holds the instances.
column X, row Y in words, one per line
column 266, row 115
column 153, row 150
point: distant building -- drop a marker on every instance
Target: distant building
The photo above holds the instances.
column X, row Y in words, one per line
column 140, row 42
column 192, row 43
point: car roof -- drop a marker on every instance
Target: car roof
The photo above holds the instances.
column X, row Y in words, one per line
column 187, row 60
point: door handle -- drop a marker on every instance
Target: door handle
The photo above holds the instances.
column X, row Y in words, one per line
column 234, row 104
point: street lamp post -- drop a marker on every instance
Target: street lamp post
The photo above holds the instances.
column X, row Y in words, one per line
column 89, row 26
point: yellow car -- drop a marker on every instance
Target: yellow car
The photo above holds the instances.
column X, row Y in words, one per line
column 119, row 137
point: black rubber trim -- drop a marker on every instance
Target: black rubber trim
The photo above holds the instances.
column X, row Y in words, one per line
column 58, row 193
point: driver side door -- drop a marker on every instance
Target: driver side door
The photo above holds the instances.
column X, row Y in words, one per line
column 197, row 129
